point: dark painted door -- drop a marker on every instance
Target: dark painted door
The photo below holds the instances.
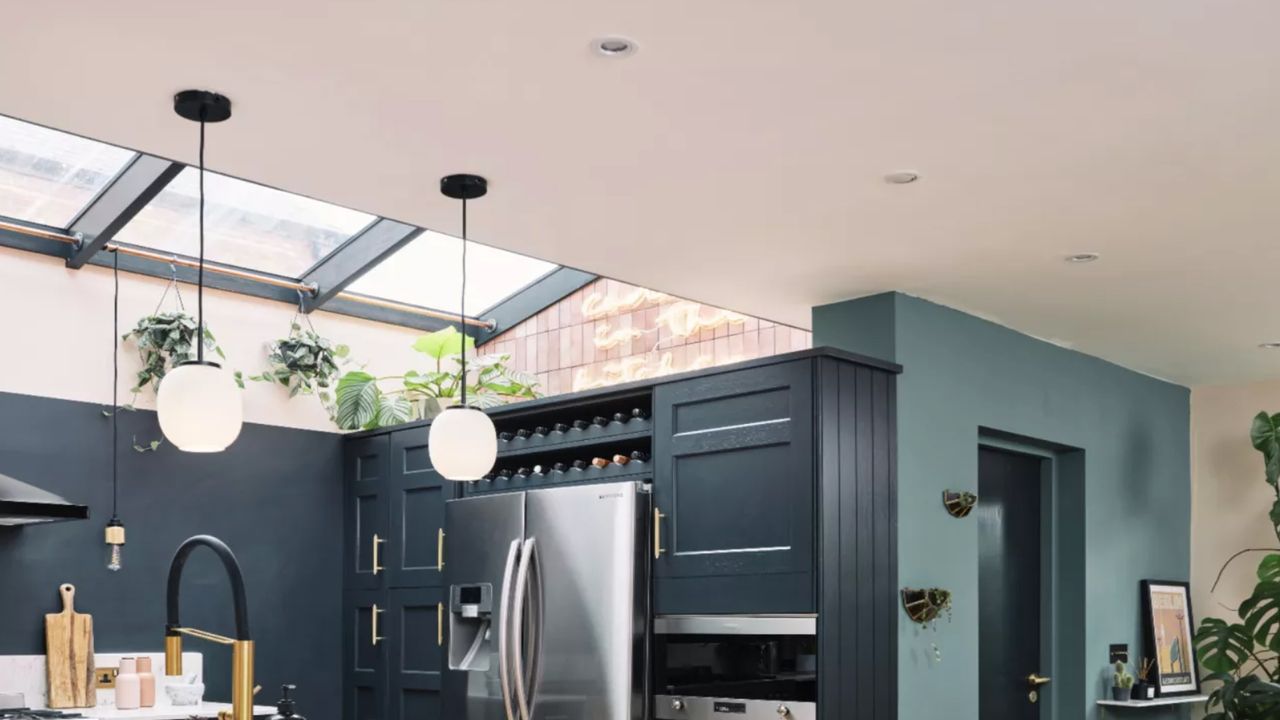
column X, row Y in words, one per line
column 416, row 633
column 415, row 552
column 734, row 480
column 364, row 655
column 367, row 465
column 1009, row 580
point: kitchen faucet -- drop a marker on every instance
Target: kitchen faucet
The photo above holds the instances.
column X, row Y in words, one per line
column 241, row 645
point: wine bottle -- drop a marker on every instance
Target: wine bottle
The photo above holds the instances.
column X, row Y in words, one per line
column 639, row 414
column 522, row 433
column 579, row 464
column 601, row 421
column 537, row 469
column 620, row 417
column 524, row 471
column 504, row 474
column 559, row 427
column 621, row 459
column 581, row 424
column 639, row 455
column 505, row 436
column 600, row 462
column 540, row 430
column 559, row 467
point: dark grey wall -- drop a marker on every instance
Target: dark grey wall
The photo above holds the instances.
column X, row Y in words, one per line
column 275, row 497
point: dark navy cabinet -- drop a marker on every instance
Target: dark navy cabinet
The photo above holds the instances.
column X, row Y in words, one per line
column 364, row 655
column 368, row 463
column 415, row 549
column 734, row 481
column 416, row 637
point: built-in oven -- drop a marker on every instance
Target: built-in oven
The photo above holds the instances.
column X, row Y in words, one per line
column 735, row 667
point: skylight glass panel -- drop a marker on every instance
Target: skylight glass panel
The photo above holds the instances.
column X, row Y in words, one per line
column 427, row 273
column 48, row 177
column 247, row 225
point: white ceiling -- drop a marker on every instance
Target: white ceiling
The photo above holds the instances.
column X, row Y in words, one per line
column 738, row 157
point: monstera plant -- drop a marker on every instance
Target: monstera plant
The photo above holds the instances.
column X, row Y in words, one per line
column 1243, row 657
column 367, row 401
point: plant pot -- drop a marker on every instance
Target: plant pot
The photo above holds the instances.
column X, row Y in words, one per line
column 1143, row 691
column 431, row 407
column 1119, row 694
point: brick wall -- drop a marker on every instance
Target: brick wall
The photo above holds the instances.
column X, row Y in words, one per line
column 610, row 332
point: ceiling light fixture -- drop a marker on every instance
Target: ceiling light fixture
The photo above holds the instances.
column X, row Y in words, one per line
column 615, row 47
column 903, row 177
column 114, row 532
column 198, row 403
column 1080, row 258
column 463, row 443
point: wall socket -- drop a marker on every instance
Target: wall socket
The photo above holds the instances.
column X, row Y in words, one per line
column 1120, row 653
column 106, row 677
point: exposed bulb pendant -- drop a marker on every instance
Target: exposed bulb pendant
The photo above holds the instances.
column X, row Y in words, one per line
column 114, row 532
column 198, row 403
column 463, row 444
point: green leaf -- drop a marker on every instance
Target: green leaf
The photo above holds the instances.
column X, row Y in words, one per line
column 358, row 397
column 341, row 351
column 1222, row 647
column 1265, row 434
column 1261, row 614
column 1269, row 568
column 443, row 343
column 393, row 409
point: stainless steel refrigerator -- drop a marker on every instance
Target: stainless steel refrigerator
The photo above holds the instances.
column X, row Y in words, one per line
column 548, row 604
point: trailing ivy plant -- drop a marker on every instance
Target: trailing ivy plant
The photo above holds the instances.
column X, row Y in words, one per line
column 1243, row 658
column 367, row 401
column 165, row 340
column 306, row 363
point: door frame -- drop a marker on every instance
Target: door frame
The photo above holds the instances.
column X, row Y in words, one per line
column 1062, row 562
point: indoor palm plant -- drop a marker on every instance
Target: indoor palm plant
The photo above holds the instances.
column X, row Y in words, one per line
column 1243, row 657
column 367, row 401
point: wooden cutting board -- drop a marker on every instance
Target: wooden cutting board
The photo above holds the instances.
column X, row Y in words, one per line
column 68, row 638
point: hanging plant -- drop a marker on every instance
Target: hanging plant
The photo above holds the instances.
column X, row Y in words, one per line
column 306, row 363
column 165, row 340
column 365, row 401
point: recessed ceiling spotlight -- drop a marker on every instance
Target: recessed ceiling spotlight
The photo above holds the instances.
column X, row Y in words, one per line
column 1079, row 258
column 904, row 177
column 1273, row 345
column 615, row 46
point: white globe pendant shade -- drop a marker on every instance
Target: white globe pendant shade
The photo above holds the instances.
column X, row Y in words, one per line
column 463, row 444
column 200, row 407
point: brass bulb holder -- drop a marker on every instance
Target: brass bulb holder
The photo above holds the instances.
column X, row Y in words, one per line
column 114, row 532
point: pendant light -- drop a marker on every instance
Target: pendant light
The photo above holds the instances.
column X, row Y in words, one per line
column 114, row 531
column 463, row 443
column 198, row 402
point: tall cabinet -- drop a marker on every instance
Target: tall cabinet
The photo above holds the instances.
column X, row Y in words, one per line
column 393, row 625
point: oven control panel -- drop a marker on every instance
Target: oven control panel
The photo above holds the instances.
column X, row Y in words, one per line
column 672, row 707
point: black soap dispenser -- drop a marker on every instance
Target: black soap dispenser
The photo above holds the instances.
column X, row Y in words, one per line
column 284, row 708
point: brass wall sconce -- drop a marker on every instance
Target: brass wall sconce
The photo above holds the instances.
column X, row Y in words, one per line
column 924, row 605
column 958, row 504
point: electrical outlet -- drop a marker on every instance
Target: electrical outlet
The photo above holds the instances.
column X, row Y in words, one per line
column 106, row 677
column 1120, row 653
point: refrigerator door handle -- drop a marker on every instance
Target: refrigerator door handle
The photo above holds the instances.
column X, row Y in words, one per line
column 504, row 605
column 535, row 661
column 523, row 675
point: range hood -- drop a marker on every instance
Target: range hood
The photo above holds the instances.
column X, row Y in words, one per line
column 23, row 504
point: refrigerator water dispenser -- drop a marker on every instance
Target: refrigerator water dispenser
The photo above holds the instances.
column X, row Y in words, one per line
column 470, row 618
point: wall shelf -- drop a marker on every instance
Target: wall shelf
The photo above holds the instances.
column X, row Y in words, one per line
column 1158, row 702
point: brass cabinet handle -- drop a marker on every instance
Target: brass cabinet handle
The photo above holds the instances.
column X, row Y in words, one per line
column 374, row 616
column 376, row 542
column 439, row 623
column 1036, row 681
column 657, row 534
column 440, row 549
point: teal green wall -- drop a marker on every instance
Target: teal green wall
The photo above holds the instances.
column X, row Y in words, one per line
column 1132, row 512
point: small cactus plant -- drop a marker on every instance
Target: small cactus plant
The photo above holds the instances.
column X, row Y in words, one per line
column 1122, row 677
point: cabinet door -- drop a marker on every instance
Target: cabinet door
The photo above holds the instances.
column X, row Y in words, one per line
column 414, row 553
column 416, row 632
column 734, row 477
column 365, row 525
column 364, row 655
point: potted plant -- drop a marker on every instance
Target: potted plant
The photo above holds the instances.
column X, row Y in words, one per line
column 1122, row 686
column 1143, row 689
column 164, row 340
column 306, row 363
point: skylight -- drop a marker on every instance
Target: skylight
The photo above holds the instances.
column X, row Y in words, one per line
column 427, row 273
column 248, row 225
column 48, row 177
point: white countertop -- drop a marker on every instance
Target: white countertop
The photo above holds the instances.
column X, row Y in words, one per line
column 166, row 712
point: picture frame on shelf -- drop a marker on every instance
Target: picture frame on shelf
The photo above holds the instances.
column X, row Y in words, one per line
column 1167, row 624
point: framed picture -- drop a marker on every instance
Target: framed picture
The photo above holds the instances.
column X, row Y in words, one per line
column 1167, row 630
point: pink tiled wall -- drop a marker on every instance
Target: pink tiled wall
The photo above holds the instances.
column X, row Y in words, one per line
column 565, row 345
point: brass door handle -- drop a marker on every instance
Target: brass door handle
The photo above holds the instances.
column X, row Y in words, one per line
column 439, row 623
column 376, row 542
column 440, row 549
column 657, row 534
column 374, row 616
column 1035, row 680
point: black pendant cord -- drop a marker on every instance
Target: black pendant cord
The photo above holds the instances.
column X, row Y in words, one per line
column 462, row 306
column 200, row 271
column 115, row 385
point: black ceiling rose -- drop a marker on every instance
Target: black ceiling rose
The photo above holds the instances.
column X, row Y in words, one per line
column 197, row 105
column 463, row 186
